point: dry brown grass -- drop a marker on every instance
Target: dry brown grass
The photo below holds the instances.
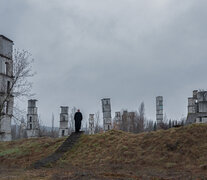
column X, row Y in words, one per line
column 177, row 149
column 23, row 153
column 179, row 153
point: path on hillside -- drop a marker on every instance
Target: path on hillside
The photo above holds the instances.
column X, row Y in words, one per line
column 67, row 145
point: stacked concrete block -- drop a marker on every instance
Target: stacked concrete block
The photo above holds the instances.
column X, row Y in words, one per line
column 63, row 130
column 106, row 108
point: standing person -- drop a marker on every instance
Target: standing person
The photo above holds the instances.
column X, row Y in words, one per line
column 78, row 118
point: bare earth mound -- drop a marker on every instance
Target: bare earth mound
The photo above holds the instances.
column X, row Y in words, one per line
column 177, row 153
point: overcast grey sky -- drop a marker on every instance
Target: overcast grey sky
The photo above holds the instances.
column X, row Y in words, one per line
column 128, row 50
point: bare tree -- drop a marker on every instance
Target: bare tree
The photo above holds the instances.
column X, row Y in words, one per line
column 52, row 130
column 97, row 122
column 141, row 118
column 21, row 70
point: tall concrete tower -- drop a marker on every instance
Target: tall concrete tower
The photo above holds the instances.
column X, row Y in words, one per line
column 32, row 119
column 6, row 94
column 159, row 110
column 63, row 130
column 91, row 124
column 106, row 108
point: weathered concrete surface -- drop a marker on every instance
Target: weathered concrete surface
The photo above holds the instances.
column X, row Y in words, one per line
column 106, row 108
column 32, row 119
column 6, row 80
column 197, row 107
column 63, row 129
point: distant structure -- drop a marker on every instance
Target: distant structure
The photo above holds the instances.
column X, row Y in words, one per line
column 32, row 119
column 6, row 79
column 63, row 130
column 106, row 108
column 22, row 129
column 131, row 120
column 91, row 124
column 197, row 107
column 117, row 120
column 159, row 111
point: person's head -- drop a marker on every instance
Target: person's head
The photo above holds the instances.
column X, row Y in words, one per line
column 78, row 110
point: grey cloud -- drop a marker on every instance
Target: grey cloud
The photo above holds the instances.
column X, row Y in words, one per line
column 128, row 50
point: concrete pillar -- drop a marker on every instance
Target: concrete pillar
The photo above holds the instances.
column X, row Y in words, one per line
column 63, row 130
column 91, row 124
column 106, row 108
column 159, row 111
column 32, row 119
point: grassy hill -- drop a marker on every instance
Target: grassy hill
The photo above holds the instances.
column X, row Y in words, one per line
column 177, row 152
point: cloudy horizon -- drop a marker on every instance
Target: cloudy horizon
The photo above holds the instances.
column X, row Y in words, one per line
column 128, row 50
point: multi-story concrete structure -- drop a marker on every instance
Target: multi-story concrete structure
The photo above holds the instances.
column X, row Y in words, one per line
column 63, row 130
column 6, row 81
column 91, row 124
column 159, row 110
column 197, row 107
column 106, row 108
column 33, row 128
column 117, row 120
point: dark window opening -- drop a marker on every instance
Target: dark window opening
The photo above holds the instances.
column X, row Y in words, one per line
column 30, row 119
column 30, row 126
column 7, row 68
column 8, row 86
column 63, row 132
column 108, row 127
column 200, row 119
column 7, row 107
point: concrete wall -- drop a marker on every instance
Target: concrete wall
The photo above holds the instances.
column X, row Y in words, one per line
column 202, row 107
column 201, row 120
column 6, row 47
column 6, row 72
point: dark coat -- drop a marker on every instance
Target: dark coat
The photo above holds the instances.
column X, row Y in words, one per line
column 78, row 118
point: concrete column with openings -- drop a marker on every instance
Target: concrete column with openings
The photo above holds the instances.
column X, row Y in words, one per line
column 32, row 119
column 106, row 108
column 63, row 130
column 159, row 111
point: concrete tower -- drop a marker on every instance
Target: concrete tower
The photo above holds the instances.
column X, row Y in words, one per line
column 117, row 120
column 197, row 107
column 106, row 108
column 32, row 119
column 91, row 124
column 159, row 110
column 6, row 94
column 63, row 130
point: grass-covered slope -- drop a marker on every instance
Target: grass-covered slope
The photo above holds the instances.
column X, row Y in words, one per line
column 22, row 153
column 184, row 147
column 181, row 149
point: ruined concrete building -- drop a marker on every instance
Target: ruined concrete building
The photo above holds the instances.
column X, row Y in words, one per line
column 117, row 120
column 197, row 107
column 106, row 108
column 159, row 110
column 32, row 119
column 6, row 80
column 91, row 124
column 63, row 130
